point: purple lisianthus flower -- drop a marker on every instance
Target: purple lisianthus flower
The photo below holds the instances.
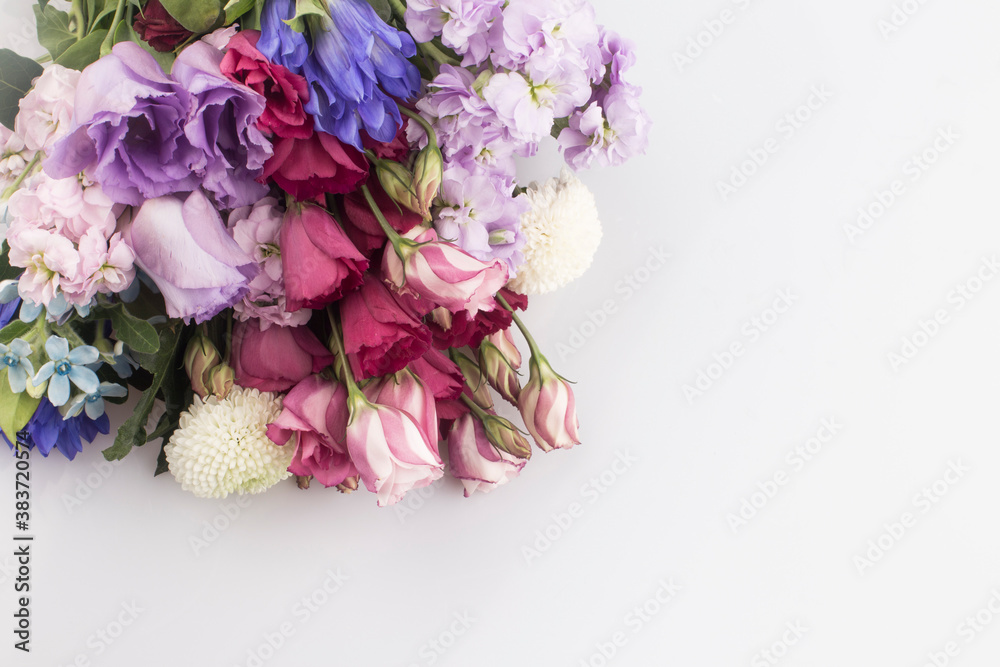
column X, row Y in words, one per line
column 480, row 214
column 223, row 126
column 47, row 430
column 354, row 63
column 183, row 246
column 610, row 131
column 128, row 131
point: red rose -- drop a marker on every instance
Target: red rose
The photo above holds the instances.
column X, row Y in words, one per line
column 285, row 93
column 459, row 329
column 158, row 28
column 440, row 374
column 319, row 263
column 307, row 168
column 275, row 359
column 380, row 337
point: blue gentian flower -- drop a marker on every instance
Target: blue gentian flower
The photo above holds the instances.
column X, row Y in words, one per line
column 353, row 62
column 15, row 360
column 47, row 430
column 9, row 302
column 65, row 366
column 93, row 402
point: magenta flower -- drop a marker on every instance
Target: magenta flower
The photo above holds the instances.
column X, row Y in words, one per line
column 275, row 358
column 444, row 274
column 182, row 245
column 315, row 414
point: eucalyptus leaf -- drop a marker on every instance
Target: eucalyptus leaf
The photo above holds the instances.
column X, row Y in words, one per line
column 16, row 410
column 54, row 32
column 198, row 16
column 16, row 75
column 84, row 52
column 132, row 433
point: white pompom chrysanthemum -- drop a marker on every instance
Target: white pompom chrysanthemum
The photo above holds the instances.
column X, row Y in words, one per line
column 221, row 445
column 562, row 232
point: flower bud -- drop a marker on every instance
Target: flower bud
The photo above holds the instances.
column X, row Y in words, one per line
column 302, row 481
column 397, row 181
column 428, row 172
column 349, row 485
column 499, row 371
column 479, row 388
column 200, row 357
column 504, row 341
column 473, row 459
column 548, row 407
column 505, row 436
column 220, row 379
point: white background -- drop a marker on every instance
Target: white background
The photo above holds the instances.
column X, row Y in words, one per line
column 665, row 516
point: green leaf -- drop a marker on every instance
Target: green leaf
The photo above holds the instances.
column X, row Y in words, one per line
column 198, row 16
column 15, row 409
column 126, row 33
column 84, row 52
column 16, row 329
column 16, row 75
column 132, row 433
column 237, row 8
column 137, row 333
column 105, row 9
column 7, row 272
column 54, row 32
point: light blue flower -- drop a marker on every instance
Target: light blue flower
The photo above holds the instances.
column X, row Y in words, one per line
column 18, row 365
column 66, row 366
column 8, row 291
column 94, row 401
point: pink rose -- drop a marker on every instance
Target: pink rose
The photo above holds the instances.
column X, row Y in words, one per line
column 549, row 408
column 473, row 459
column 315, row 414
column 393, row 454
column 319, row 262
column 380, row 337
column 277, row 358
column 440, row 373
column 443, row 273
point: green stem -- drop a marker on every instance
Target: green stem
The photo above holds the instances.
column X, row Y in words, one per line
column 28, row 168
column 352, row 385
column 476, row 410
column 520, row 325
column 43, row 59
column 109, row 41
column 431, row 136
column 229, row 339
column 394, row 237
column 436, row 54
column 77, row 13
column 398, row 8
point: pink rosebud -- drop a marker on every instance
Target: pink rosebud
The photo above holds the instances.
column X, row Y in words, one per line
column 499, row 370
column 549, row 408
column 392, row 452
column 478, row 388
column 319, row 262
column 200, row 357
column 473, row 459
column 428, row 172
column 504, row 342
column 405, row 391
column 380, row 336
column 277, row 358
column 314, row 413
column 443, row 273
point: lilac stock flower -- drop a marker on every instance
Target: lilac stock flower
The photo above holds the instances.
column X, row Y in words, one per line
column 64, row 366
column 142, row 134
column 528, row 103
column 480, row 213
column 47, row 430
column 609, row 132
column 616, row 53
column 183, row 246
column 353, row 61
column 463, row 25
column 223, row 126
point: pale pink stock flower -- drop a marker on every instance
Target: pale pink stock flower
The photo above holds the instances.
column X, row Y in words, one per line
column 473, row 459
column 50, row 262
column 106, row 265
column 46, row 112
column 14, row 157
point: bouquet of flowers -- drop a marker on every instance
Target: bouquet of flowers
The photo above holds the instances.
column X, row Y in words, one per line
column 292, row 231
